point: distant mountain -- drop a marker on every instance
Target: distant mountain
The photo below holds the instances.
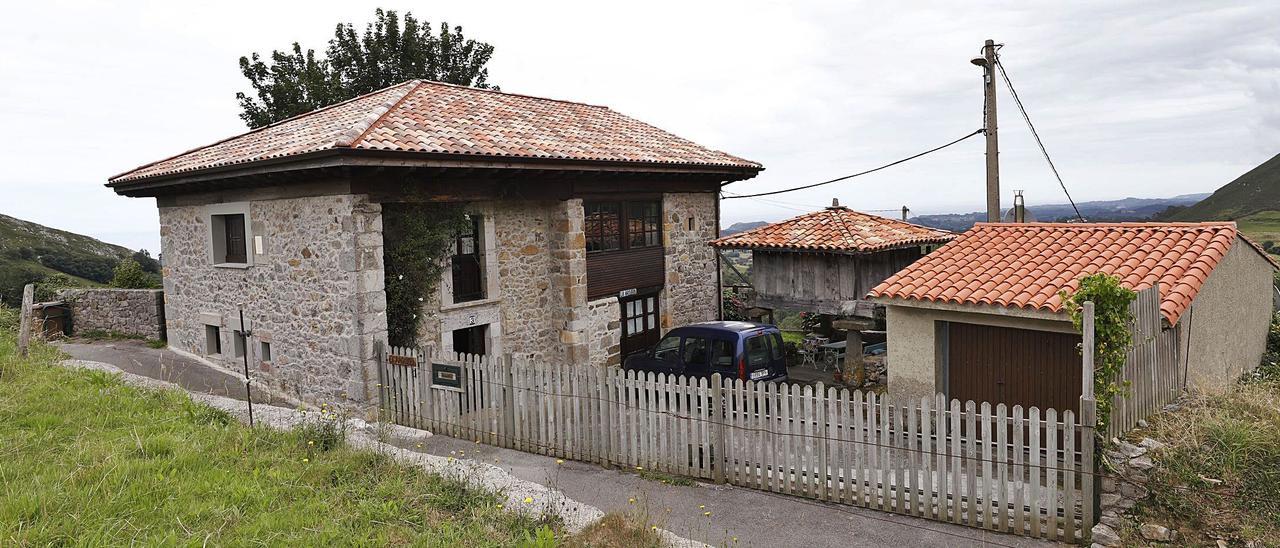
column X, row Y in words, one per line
column 1254, row 192
column 741, row 227
column 29, row 252
column 1127, row 209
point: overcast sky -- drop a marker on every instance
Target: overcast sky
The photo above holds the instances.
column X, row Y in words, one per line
column 1145, row 99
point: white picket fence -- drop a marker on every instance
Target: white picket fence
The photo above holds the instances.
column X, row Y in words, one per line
column 1153, row 372
column 1021, row 471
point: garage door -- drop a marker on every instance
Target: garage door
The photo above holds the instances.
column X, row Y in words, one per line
column 1013, row 366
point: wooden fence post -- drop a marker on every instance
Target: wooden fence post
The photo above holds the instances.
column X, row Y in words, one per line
column 717, row 429
column 1091, row 480
column 24, row 322
column 508, row 403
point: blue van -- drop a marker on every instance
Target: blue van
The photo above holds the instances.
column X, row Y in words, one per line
column 735, row 350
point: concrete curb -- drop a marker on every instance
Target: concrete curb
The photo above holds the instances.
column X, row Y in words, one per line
column 365, row 435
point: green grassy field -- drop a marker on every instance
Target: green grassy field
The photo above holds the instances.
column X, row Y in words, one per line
column 1261, row 227
column 87, row 460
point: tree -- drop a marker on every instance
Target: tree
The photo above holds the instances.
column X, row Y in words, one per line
column 130, row 275
column 144, row 259
column 389, row 52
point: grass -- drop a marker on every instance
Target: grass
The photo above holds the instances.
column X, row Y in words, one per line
column 1219, row 475
column 86, row 459
column 669, row 479
column 1262, row 226
column 616, row 530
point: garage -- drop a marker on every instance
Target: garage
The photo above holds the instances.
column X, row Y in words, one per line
column 1011, row 366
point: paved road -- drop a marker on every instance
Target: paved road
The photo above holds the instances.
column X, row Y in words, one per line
column 739, row 517
column 138, row 358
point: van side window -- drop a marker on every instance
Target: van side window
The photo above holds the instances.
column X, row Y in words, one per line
column 757, row 351
column 668, row 349
column 776, row 344
column 722, row 354
column 695, row 351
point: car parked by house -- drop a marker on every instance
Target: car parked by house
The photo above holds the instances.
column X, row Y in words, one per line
column 735, row 350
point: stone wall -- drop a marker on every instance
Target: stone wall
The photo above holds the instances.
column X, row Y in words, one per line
column 604, row 332
column 1123, row 487
column 692, row 291
column 314, row 293
column 133, row 312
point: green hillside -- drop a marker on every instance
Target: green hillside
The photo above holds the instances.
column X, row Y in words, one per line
column 29, row 252
column 1252, row 200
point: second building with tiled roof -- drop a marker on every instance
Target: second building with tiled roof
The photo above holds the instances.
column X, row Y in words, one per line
column 983, row 317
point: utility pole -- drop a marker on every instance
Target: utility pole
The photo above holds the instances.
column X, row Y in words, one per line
column 988, row 64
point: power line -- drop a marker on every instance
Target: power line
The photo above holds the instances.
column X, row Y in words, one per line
column 1034, row 133
column 838, row 179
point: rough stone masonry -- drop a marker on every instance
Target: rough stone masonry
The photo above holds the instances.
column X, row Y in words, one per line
column 132, row 312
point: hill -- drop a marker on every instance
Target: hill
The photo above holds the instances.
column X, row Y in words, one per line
column 29, row 252
column 1127, row 209
column 1254, row 192
column 741, row 227
column 1252, row 200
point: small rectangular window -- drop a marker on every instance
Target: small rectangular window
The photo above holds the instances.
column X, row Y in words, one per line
column 264, row 351
column 229, row 243
column 212, row 340
column 238, row 343
column 775, row 343
column 468, row 274
column 643, row 227
column 601, row 223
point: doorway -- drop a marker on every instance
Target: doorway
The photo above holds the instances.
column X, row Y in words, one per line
column 470, row 340
column 639, row 323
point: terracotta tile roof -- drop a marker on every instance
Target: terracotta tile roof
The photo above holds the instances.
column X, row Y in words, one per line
column 835, row 229
column 1025, row 265
column 431, row 117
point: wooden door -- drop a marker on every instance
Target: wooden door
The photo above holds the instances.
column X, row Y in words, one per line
column 1013, row 366
column 639, row 323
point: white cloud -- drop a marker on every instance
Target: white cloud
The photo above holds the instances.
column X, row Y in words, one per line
column 1132, row 98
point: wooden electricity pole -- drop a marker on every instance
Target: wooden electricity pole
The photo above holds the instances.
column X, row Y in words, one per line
column 988, row 64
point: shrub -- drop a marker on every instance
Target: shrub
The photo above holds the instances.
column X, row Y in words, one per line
column 47, row 289
column 8, row 319
column 130, row 275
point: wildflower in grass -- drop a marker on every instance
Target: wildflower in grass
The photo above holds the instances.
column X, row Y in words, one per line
column 499, row 505
column 708, row 514
column 631, row 500
column 311, row 442
column 654, row 527
column 702, row 507
column 639, row 468
column 306, row 460
column 528, row 500
column 559, row 461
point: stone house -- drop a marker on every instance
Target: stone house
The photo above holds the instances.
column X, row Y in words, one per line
column 982, row 318
column 587, row 240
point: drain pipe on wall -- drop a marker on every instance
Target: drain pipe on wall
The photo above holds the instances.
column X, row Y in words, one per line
column 248, row 394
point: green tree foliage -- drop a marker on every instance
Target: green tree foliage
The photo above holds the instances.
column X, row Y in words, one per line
column 1112, row 335
column 418, row 237
column 89, row 267
column 47, row 289
column 390, row 51
column 143, row 257
column 130, row 275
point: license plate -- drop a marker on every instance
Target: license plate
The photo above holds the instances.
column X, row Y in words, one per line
column 759, row 374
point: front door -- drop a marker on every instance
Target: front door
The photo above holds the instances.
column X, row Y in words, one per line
column 639, row 323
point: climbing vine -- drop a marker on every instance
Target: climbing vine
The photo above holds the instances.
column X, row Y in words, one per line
column 1112, row 336
column 418, row 238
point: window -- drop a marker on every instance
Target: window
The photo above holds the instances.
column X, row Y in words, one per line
column 212, row 340
column 612, row 226
column 643, row 229
column 229, row 243
column 775, row 343
column 668, row 349
column 722, row 354
column 601, row 222
column 264, row 351
column 468, row 277
column 695, row 351
column 757, row 352
column 238, row 343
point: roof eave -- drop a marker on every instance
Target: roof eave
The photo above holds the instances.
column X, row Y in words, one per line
column 380, row 158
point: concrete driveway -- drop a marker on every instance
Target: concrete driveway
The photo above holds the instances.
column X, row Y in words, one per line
column 738, row 516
